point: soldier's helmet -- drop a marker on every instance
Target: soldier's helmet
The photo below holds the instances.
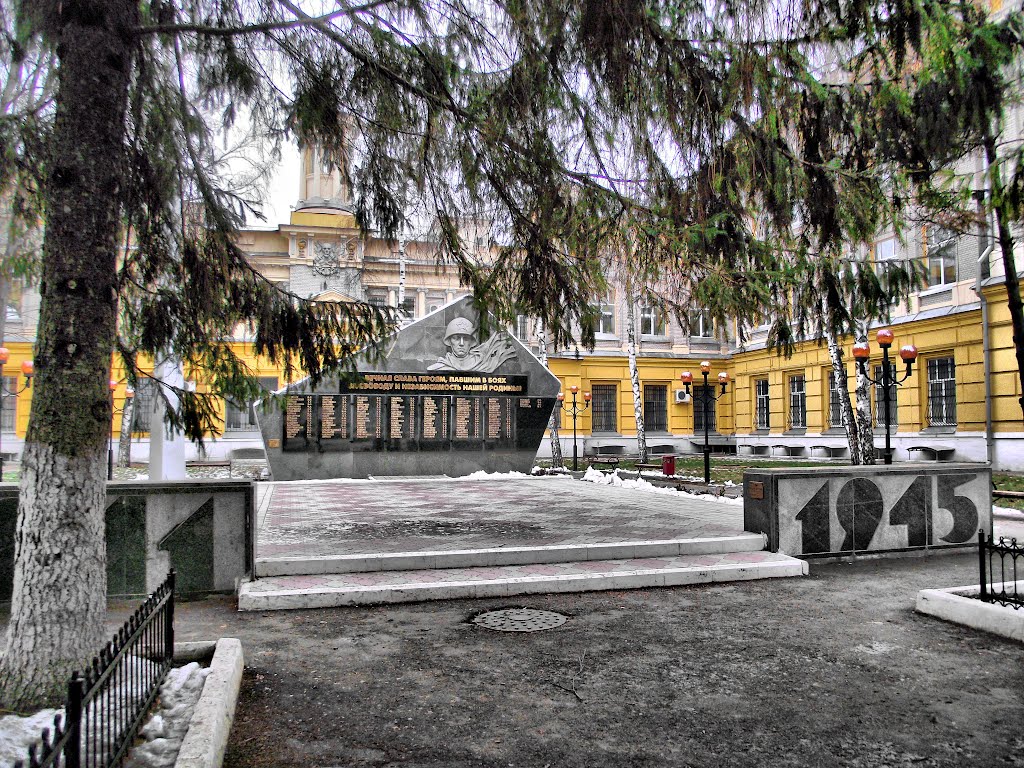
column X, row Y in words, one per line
column 460, row 326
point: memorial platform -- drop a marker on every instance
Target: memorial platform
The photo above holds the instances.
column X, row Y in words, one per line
column 329, row 543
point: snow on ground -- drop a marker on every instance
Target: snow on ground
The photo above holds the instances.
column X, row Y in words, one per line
column 16, row 733
column 166, row 729
column 596, row 476
column 163, row 733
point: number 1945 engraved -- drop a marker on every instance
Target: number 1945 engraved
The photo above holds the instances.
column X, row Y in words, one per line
column 860, row 510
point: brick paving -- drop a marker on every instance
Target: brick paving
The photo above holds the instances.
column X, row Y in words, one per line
column 332, row 518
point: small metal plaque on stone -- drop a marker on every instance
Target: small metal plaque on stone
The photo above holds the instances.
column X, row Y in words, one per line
column 755, row 490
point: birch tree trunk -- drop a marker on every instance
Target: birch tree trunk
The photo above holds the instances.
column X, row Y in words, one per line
column 58, row 601
column 556, row 445
column 841, row 383
column 124, row 440
column 863, row 413
column 634, row 377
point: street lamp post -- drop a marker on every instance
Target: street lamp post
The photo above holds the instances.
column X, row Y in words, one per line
column 574, row 410
column 862, row 351
column 27, row 370
column 707, row 396
column 129, row 393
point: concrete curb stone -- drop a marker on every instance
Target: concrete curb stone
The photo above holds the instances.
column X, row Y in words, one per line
column 207, row 738
column 960, row 606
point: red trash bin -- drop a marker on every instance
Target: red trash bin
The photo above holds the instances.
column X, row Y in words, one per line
column 668, row 465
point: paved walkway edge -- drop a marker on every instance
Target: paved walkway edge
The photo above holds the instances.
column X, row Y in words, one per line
column 326, row 597
column 207, row 738
column 497, row 556
column 957, row 604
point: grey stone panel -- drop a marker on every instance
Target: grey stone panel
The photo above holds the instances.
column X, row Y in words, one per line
column 844, row 510
column 422, row 350
column 211, row 549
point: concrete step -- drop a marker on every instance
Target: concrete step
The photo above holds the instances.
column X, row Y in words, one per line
column 329, row 590
column 468, row 558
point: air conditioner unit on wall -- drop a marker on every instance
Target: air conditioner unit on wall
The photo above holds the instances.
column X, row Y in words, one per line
column 682, row 396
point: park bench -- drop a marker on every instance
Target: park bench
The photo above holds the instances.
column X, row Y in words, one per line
column 934, row 452
column 610, row 455
column 652, row 466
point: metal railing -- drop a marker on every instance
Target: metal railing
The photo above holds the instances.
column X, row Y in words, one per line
column 107, row 703
column 998, row 561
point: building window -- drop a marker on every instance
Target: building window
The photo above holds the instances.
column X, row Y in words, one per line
column 241, row 418
column 656, row 407
column 378, row 297
column 940, row 258
column 797, row 402
column 522, row 329
column 604, row 407
column 762, row 405
column 606, row 320
column 942, row 392
column 835, row 407
column 142, row 405
column 8, row 403
column 885, row 251
column 701, row 325
column 880, row 398
column 699, row 406
column 652, row 321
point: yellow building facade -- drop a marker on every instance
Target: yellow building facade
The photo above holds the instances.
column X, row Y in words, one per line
column 962, row 398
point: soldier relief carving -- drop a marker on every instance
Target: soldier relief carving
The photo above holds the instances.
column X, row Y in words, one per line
column 464, row 354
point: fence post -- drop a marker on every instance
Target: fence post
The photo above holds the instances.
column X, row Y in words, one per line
column 169, row 618
column 73, row 714
column 983, row 594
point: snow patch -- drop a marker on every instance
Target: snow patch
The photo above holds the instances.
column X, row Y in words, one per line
column 600, row 478
column 17, row 733
column 166, row 729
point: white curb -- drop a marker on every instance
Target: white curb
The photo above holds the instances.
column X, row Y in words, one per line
column 207, row 737
column 958, row 604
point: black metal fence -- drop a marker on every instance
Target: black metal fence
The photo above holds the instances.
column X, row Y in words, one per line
column 998, row 561
column 108, row 701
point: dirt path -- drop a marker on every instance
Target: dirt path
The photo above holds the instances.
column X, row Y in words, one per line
column 835, row 669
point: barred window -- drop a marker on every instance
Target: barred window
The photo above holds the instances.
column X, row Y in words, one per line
column 835, row 408
column 237, row 418
column 763, row 404
column 704, row 403
column 880, row 398
column 8, row 403
column 142, row 406
column 941, row 392
column 656, row 407
column 604, row 403
column 522, row 329
column 797, row 401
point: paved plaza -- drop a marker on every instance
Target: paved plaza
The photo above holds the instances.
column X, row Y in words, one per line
column 330, row 518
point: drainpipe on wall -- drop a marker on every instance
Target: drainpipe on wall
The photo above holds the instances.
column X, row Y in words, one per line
column 987, row 355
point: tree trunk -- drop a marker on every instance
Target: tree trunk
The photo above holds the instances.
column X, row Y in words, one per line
column 863, row 413
column 634, row 376
column 841, row 383
column 124, row 440
column 1003, row 219
column 59, row 596
column 556, row 444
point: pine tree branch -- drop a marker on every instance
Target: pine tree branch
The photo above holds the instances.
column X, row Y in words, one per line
column 254, row 29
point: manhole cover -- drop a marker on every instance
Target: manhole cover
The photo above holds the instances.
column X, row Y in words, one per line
column 519, row 620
